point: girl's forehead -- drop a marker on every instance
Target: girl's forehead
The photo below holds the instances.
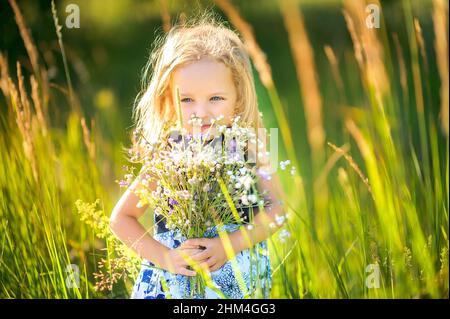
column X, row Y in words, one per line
column 202, row 66
column 203, row 77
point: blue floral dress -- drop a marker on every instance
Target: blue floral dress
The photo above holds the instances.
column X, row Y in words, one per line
column 250, row 266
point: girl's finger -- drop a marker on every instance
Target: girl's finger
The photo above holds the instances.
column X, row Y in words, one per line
column 213, row 267
column 187, row 272
column 196, row 241
column 208, row 264
column 188, row 246
column 211, row 262
column 201, row 255
column 205, row 266
column 183, row 255
column 191, row 250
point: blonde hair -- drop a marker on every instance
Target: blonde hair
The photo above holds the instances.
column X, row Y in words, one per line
column 187, row 42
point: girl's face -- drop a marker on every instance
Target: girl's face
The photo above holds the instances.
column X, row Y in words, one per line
column 207, row 90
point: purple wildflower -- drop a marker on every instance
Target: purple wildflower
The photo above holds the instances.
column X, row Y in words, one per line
column 172, row 202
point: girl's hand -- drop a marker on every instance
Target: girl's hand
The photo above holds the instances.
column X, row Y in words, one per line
column 213, row 256
column 175, row 261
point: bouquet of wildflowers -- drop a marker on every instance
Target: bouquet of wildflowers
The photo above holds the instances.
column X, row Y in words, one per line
column 203, row 179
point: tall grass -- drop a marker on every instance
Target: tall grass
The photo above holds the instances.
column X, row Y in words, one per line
column 380, row 196
column 44, row 170
column 395, row 218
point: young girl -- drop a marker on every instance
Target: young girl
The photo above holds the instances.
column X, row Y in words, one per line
column 209, row 65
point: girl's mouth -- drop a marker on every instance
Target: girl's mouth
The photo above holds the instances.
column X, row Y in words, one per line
column 205, row 127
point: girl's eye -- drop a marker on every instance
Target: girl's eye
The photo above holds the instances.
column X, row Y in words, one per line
column 214, row 98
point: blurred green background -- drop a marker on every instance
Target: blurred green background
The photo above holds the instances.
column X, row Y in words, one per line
column 105, row 58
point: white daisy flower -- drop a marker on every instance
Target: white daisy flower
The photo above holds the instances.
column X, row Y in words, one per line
column 246, row 181
column 244, row 200
column 252, row 198
column 284, row 164
column 279, row 219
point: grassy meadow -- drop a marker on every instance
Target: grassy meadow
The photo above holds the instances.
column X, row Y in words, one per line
column 362, row 114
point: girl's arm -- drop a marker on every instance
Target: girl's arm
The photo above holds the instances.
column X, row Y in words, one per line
column 125, row 225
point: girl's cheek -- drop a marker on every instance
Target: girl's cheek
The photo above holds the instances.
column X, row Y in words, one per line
column 186, row 115
column 225, row 107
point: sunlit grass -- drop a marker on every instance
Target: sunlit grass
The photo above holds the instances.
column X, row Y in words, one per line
column 386, row 201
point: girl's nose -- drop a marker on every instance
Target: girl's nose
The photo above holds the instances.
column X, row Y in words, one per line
column 201, row 111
